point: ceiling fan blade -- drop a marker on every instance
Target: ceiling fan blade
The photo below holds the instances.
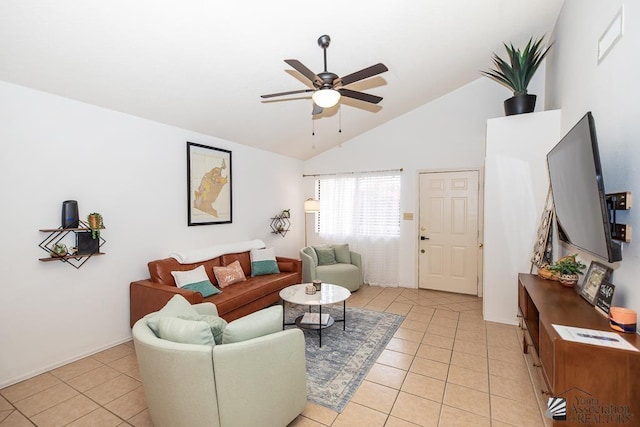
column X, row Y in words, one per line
column 299, row 67
column 293, row 92
column 365, row 73
column 360, row 95
column 316, row 109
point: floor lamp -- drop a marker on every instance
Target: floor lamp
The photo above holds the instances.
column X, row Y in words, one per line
column 310, row 206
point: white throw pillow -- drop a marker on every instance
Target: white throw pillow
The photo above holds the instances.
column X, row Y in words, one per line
column 184, row 278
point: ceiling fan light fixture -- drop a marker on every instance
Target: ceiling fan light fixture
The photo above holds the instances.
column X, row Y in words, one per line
column 326, row 98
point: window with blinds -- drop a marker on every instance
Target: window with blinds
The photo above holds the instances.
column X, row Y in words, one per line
column 362, row 205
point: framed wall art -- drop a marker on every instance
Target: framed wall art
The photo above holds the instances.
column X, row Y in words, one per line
column 596, row 275
column 209, row 185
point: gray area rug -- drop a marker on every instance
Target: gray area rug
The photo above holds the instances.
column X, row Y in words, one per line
column 335, row 370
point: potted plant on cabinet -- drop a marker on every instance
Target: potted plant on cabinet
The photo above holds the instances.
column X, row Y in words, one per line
column 95, row 224
column 568, row 268
column 516, row 72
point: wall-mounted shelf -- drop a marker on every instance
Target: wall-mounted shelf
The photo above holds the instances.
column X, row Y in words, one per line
column 56, row 235
column 280, row 224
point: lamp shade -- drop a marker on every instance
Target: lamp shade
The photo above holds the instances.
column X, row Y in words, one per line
column 311, row 205
column 326, row 98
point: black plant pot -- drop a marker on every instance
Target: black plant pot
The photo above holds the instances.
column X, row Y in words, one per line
column 520, row 104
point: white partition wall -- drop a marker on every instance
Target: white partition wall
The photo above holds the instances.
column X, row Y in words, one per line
column 516, row 184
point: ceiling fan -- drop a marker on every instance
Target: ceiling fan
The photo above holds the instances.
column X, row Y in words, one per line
column 329, row 87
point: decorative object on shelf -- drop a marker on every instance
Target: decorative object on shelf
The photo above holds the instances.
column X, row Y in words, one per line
column 286, row 213
column 59, row 249
column 596, row 276
column 543, row 247
column 516, row 72
column 310, row 206
column 545, row 273
column 95, row 224
column 310, row 289
column 208, row 185
column 280, row 223
column 568, row 269
column 623, row 319
column 70, row 218
column 604, row 298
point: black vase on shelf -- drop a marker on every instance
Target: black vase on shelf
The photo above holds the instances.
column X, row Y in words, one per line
column 70, row 217
column 520, row 104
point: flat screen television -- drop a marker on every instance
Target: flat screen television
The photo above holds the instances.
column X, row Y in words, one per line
column 582, row 216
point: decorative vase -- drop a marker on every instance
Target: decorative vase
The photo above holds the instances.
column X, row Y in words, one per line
column 568, row 280
column 95, row 223
column 520, row 104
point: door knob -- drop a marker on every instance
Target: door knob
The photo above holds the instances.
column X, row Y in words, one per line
column 422, row 251
column 424, row 238
column 481, row 245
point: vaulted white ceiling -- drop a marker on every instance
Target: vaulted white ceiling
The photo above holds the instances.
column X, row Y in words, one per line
column 202, row 65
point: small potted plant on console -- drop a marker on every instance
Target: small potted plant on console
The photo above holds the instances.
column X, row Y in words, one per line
column 568, row 268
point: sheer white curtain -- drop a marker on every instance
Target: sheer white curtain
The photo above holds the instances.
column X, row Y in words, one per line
column 364, row 211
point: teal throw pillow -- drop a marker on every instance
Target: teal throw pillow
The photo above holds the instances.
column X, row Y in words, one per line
column 263, row 261
column 343, row 255
column 326, row 255
column 205, row 287
column 216, row 324
column 195, row 280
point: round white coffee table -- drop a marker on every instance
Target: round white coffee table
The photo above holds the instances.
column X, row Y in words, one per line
column 328, row 294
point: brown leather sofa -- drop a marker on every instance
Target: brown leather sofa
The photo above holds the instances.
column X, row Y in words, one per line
column 235, row 301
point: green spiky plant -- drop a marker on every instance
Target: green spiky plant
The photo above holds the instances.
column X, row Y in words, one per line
column 516, row 72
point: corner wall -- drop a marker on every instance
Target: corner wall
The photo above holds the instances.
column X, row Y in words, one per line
column 131, row 170
column 576, row 83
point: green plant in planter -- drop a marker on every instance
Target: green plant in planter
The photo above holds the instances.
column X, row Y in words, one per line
column 568, row 265
column 95, row 224
column 516, row 72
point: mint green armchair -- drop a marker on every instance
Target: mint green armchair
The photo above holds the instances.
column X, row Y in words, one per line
column 257, row 381
column 346, row 271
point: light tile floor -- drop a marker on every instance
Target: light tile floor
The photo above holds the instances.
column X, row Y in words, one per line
column 445, row 366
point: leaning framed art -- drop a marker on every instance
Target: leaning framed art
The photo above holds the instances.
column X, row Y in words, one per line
column 596, row 275
column 209, row 185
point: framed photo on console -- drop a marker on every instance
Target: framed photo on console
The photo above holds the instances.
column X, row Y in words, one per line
column 596, row 276
column 208, row 185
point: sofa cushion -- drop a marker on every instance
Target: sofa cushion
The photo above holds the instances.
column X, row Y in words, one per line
column 216, row 324
column 263, row 261
column 229, row 275
column 185, row 331
column 326, row 255
column 343, row 255
column 195, row 280
column 244, row 258
column 252, row 289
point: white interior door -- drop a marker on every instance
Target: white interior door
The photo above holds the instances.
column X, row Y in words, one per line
column 448, row 245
